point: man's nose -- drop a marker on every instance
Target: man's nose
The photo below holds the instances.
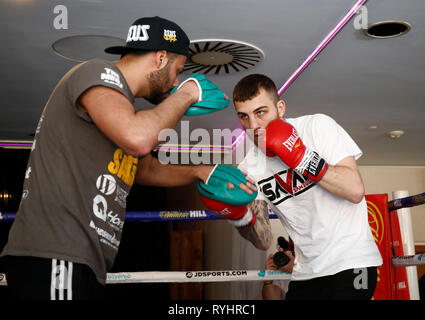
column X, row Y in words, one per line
column 252, row 122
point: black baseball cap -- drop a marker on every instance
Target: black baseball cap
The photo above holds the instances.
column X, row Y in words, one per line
column 153, row 34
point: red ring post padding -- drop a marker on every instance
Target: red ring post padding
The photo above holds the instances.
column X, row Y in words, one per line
column 392, row 282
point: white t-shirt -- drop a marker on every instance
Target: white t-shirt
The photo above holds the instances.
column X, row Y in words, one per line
column 330, row 234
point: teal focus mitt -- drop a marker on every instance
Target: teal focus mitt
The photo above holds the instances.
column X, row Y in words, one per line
column 216, row 186
column 211, row 98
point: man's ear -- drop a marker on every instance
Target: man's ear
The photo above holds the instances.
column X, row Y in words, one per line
column 281, row 108
column 161, row 59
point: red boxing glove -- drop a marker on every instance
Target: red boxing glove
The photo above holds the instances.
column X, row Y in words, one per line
column 283, row 140
column 239, row 216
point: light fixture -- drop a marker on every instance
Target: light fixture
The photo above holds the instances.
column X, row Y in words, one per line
column 395, row 134
column 5, row 196
column 85, row 47
column 321, row 45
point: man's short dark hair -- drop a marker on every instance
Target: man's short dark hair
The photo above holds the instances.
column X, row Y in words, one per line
column 249, row 87
column 171, row 55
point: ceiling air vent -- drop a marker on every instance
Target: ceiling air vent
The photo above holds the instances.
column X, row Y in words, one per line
column 387, row 29
column 219, row 56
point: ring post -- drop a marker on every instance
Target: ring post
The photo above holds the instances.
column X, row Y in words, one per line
column 406, row 229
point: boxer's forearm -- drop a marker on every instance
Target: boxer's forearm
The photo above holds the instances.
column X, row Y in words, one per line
column 151, row 172
column 344, row 180
column 260, row 234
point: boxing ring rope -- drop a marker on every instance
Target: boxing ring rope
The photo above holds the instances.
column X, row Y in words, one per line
column 406, row 202
column 199, row 215
column 408, row 261
column 152, row 216
column 187, row 276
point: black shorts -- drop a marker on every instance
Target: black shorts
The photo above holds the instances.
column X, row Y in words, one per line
column 32, row 278
column 352, row 284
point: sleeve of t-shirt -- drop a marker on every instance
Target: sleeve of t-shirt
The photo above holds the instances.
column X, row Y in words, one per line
column 332, row 142
column 90, row 74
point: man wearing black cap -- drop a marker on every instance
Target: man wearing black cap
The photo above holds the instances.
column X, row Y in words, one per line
column 90, row 147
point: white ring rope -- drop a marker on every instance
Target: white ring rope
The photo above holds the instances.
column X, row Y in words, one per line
column 407, row 261
column 220, row 275
column 188, row 276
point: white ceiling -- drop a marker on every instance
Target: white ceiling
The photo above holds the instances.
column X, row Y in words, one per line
column 359, row 81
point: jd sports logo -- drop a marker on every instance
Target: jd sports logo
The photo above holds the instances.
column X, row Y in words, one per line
column 284, row 185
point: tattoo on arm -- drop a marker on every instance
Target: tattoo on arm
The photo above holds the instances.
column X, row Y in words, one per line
column 260, row 235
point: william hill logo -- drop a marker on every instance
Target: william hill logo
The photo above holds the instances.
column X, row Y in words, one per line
column 170, row 35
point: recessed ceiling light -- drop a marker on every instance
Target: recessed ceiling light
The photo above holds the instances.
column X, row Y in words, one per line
column 85, row 47
column 395, row 134
column 387, row 29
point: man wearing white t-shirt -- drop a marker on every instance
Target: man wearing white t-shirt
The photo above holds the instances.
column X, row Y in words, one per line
column 308, row 176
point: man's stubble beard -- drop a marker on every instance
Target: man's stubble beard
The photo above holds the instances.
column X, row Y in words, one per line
column 158, row 80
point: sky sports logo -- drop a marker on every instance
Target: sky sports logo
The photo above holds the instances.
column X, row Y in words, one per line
column 264, row 273
column 118, row 276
